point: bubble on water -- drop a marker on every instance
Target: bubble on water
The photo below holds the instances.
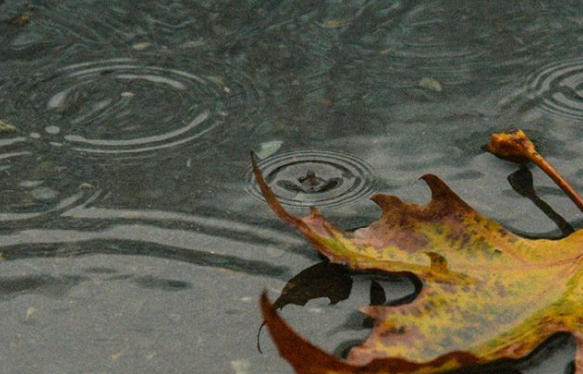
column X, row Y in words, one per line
column 557, row 89
column 315, row 178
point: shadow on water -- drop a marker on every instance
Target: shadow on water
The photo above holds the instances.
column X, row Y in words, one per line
column 59, row 286
column 45, row 285
column 522, row 182
column 324, row 279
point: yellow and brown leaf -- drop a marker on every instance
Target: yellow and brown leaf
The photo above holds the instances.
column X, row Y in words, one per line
column 487, row 293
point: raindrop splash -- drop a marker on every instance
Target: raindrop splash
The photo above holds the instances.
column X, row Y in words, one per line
column 315, row 178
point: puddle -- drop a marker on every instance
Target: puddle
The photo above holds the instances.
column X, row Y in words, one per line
column 133, row 236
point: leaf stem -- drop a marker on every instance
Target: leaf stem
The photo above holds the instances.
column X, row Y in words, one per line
column 516, row 146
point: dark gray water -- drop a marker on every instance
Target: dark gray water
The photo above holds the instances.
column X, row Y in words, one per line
column 133, row 239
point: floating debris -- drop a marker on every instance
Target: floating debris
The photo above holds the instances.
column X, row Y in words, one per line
column 430, row 84
column 268, row 148
column 29, row 312
column 19, row 20
column 52, row 130
column 335, row 23
column 6, row 128
column 193, row 43
column 325, row 102
column 30, row 183
column 240, row 366
column 141, row 46
column 86, row 186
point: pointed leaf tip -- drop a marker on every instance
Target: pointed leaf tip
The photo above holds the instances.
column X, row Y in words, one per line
column 442, row 194
column 438, row 187
column 387, row 202
column 305, row 357
column 270, row 197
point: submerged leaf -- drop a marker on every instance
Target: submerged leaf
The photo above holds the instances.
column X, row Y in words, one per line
column 487, row 293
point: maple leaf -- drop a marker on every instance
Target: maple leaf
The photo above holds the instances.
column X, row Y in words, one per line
column 487, row 293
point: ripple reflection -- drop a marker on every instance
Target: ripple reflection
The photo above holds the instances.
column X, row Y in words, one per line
column 444, row 40
column 34, row 188
column 558, row 89
column 124, row 107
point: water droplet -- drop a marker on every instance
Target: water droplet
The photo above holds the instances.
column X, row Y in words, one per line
column 315, row 178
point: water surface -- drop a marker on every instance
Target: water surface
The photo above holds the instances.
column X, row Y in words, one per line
column 133, row 239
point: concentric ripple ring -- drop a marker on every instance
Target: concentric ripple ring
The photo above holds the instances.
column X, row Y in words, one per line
column 315, row 178
column 558, row 89
column 125, row 107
